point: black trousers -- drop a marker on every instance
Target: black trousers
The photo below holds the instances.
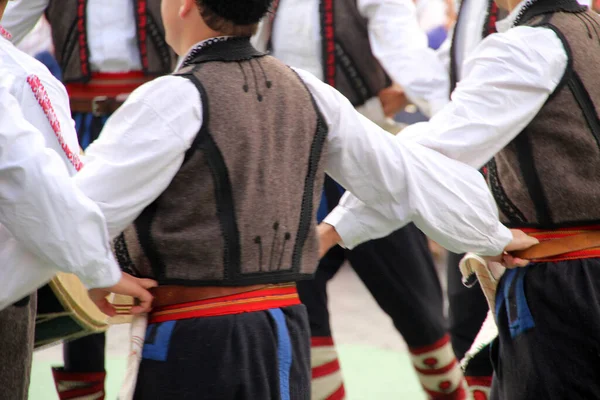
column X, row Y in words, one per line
column 400, row 274
column 250, row 356
column 467, row 311
column 549, row 332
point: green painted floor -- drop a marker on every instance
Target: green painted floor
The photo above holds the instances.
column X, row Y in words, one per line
column 370, row 374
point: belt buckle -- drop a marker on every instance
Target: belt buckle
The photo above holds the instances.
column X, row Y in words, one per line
column 96, row 105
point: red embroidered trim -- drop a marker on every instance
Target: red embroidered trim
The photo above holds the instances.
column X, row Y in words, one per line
column 42, row 97
column 142, row 21
column 82, row 37
column 5, row 34
column 329, row 38
column 493, row 18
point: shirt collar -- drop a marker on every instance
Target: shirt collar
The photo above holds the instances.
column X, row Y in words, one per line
column 193, row 51
column 509, row 21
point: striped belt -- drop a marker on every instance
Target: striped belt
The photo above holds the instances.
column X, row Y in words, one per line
column 277, row 296
column 105, row 92
column 562, row 244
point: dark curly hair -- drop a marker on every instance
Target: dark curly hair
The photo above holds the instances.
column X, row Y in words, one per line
column 233, row 17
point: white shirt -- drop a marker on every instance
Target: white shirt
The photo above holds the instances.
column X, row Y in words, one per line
column 506, row 82
column 47, row 223
column 469, row 33
column 396, row 41
column 143, row 145
column 38, row 40
column 111, row 31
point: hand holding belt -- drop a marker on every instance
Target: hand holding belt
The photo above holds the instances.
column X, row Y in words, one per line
column 555, row 247
column 98, row 106
column 489, row 273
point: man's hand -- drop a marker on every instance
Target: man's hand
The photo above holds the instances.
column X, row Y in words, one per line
column 393, row 100
column 128, row 286
column 521, row 241
column 328, row 237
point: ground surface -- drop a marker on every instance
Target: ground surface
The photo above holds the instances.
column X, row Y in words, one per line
column 372, row 353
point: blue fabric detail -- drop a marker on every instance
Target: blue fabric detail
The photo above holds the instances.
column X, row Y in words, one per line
column 46, row 58
column 518, row 313
column 158, row 338
column 324, row 209
column 284, row 352
column 524, row 320
column 436, row 37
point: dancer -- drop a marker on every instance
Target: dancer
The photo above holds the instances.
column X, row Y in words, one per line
column 47, row 223
column 103, row 58
column 527, row 100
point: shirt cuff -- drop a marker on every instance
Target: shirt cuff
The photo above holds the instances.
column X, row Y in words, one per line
column 347, row 226
column 499, row 241
column 104, row 275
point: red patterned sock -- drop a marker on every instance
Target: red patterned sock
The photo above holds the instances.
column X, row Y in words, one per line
column 327, row 381
column 480, row 387
column 439, row 371
column 79, row 385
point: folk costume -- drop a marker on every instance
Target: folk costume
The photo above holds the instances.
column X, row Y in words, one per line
column 102, row 59
column 222, row 190
column 48, row 224
column 543, row 149
column 359, row 47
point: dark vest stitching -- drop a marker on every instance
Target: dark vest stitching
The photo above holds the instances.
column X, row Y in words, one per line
column 157, row 36
column 569, row 70
column 453, row 64
column 122, row 254
column 69, row 46
column 531, row 177
column 143, row 225
column 307, row 212
column 357, row 82
column 223, row 189
column 587, row 106
column 508, row 208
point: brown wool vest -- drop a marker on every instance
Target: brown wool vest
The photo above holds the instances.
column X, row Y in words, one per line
column 68, row 21
column 241, row 210
column 348, row 62
column 549, row 175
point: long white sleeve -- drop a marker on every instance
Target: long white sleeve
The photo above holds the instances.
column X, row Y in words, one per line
column 20, row 17
column 42, row 208
column 404, row 181
column 400, row 45
column 141, row 149
column 507, row 81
